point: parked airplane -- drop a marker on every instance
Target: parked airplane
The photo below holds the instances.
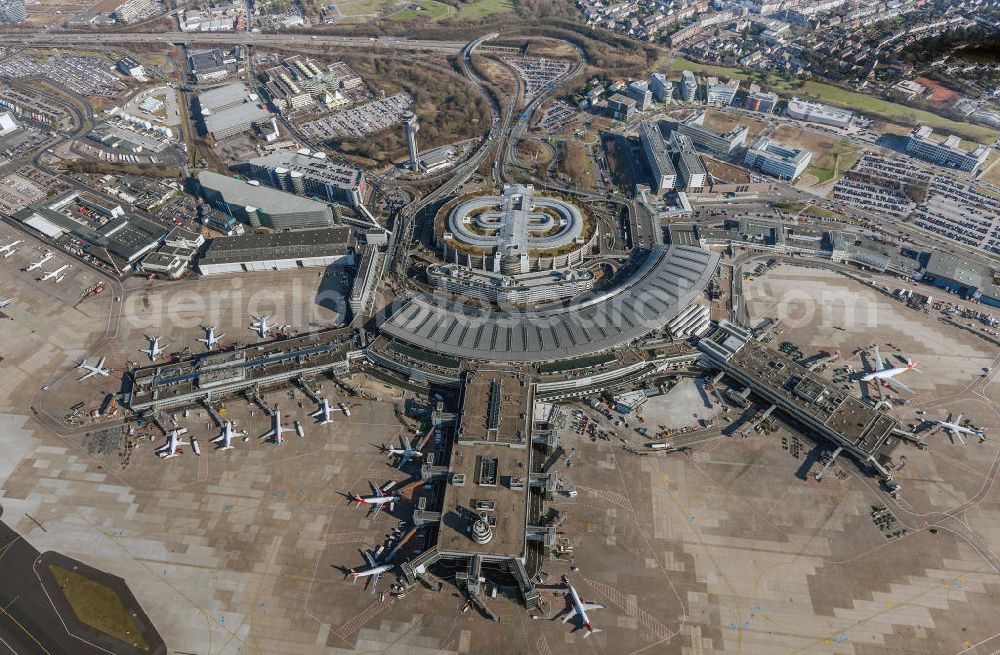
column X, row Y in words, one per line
column 374, row 570
column 155, row 349
column 170, row 448
column 38, row 263
column 887, row 376
column 378, row 498
column 579, row 608
column 406, row 453
column 210, row 337
column 57, row 274
column 97, row 369
column 956, row 430
column 260, row 325
column 225, row 439
column 6, row 303
column 274, row 434
column 8, row 250
column 323, row 413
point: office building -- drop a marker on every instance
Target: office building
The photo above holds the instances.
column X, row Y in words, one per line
column 621, row 107
column 261, row 206
column 639, row 91
column 948, row 153
column 12, row 11
column 721, row 94
column 758, row 100
column 273, row 252
column 306, row 173
column 777, row 159
column 662, row 88
column 689, row 86
column 231, row 110
column 723, row 143
column 658, row 158
column 691, row 172
column 814, row 112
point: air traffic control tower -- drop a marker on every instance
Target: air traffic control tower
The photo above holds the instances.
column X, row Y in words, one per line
column 412, row 127
column 491, row 492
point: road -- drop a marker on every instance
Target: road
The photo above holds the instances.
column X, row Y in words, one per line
column 114, row 37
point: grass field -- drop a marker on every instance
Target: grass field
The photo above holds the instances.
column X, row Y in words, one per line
column 992, row 173
column 429, row 9
column 363, row 7
column 483, row 8
column 98, row 607
column 835, row 95
column 825, row 151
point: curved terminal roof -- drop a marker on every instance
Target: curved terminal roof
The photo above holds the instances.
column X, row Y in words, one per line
column 668, row 280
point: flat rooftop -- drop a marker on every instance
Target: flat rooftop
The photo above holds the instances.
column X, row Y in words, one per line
column 489, row 467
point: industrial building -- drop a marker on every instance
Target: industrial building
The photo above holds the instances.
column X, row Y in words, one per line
column 777, row 159
column 814, row 112
column 963, row 276
column 232, row 109
column 689, row 86
column 307, row 173
column 721, row 94
column 215, row 64
column 272, row 252
column 711, row 140
column 262, row 206
column 948, row 153
column 658, row 158
column 822, row 407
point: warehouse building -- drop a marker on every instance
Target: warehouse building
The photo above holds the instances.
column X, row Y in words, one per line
column 948, row 153
column 274, row 252
column 306, row 173
column 261, row 206
column 777, row 159
column 658, row 158
column 233, row 109
column 723, row 143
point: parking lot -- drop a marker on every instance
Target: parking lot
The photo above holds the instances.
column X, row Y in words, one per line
column 539, row 74
column 88, row 76
column 362, row 120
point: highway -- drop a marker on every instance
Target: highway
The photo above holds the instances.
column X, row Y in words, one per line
column 111, row 38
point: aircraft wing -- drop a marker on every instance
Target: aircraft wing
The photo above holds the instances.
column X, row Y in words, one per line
column 958, row 421
column 375, row 490
column 100, row 363
column 88, row 375
column 375, row 579
column 878, row 360
column 404, row 460
column 569, row 615
column 592, row 606
column 378, row 508
column 368, row 558
column 896, row 383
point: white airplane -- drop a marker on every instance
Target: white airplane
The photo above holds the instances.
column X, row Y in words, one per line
column 9, row 250
column 259, row 325
column 57, row 274
column 956, row 430
column 170, row 448
column 405, row 452
column 580, row 608
column 373, row 569
column 323, row 413
column 155, row 349
column 97, row 369
column 274, row 434
column 378, row 498
column 38, row 263
column 225, row 439
column 6, row 303
column 210, row 338
column 887, row 376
